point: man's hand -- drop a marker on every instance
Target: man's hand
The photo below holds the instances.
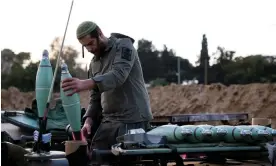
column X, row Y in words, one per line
column 76, row 85
column 86, row 129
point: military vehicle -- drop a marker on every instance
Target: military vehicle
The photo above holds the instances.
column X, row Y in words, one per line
column 172, row 139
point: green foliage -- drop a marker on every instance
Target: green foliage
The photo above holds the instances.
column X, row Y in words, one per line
column 159, row 82
column 14, row 74
column 159, row 66
column 203, row 60
column 162, row 64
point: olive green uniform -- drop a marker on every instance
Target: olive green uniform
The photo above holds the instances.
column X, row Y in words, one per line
column 121, row 94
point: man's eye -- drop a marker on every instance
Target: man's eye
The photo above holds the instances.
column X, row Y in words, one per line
column 87, row 45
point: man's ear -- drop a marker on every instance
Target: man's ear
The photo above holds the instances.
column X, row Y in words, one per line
column 100, row 33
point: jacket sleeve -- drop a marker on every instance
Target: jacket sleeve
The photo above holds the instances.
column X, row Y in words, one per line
column 94, row 109
column 121, row 67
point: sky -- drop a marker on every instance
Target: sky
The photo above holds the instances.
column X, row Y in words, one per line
column 245, row 26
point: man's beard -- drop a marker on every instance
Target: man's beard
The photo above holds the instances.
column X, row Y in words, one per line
column 100, row 49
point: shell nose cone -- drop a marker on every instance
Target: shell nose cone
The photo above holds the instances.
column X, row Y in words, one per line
column 64, row 66
column 45, row 54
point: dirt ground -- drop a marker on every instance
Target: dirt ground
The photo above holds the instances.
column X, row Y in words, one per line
column 259, row 100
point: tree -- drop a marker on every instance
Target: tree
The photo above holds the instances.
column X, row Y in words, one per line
column 159, row 66
column 9, row 58
column 69, row 56
column 149, row 55
column 14, row 74
column 203, row 61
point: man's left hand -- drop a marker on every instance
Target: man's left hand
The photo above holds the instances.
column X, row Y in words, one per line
column 76, row 85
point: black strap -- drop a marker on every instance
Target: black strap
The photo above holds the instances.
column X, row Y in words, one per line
column 82, row 48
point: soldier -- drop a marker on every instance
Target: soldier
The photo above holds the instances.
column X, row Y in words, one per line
column 117, row 86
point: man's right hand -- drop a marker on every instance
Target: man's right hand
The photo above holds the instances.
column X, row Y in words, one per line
column 86, row 129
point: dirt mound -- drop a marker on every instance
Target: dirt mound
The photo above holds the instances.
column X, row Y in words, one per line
column 259, row 100
column 14, row 99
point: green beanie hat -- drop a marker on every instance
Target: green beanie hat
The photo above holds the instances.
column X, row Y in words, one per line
column 85, row 28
